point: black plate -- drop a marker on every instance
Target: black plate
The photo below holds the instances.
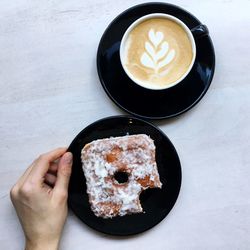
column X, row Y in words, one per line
column 157, row 203
column 139, row 101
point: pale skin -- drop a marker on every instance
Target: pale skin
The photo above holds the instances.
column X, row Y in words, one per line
column 40, row 199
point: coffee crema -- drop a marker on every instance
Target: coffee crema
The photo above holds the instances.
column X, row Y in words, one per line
column 158, row 52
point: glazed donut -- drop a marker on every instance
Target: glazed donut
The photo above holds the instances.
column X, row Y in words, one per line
column 117, row 170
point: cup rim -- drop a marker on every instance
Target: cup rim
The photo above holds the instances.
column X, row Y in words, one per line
column 140, row 20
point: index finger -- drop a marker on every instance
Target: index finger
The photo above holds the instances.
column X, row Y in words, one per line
column 42, row 164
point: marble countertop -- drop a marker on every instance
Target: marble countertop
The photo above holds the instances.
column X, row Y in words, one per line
column 50, row 91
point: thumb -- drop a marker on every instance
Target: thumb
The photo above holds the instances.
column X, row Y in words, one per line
column 63, row 174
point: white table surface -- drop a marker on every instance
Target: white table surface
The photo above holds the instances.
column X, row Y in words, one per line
column 50, row 91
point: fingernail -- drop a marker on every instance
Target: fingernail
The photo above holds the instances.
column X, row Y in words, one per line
column 67, row 158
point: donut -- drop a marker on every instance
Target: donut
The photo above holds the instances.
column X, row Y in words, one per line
column 117, row 170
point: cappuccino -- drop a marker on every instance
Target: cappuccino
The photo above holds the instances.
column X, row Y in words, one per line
column 157, row 53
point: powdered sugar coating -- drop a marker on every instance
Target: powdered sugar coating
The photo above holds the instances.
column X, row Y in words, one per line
column 101, row 159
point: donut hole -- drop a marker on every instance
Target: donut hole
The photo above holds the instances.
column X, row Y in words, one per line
column 121, row 177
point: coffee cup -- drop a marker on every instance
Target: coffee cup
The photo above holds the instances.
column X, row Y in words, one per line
column 158, row 50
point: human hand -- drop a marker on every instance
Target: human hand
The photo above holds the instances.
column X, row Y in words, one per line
column 40, row 199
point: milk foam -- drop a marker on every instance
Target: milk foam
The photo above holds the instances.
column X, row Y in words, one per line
column 157, row 54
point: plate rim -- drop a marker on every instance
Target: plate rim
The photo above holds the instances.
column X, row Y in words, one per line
column 209, row 80
column 179, row 174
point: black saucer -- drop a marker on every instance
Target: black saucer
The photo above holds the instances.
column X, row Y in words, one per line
column 156, row 203
column 153, row 104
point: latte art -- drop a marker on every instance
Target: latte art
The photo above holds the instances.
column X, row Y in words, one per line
column 157, row 54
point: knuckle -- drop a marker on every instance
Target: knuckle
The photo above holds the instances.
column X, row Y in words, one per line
column 14, row 192
column 27, row 189
column 62, row 195
column 42, row 157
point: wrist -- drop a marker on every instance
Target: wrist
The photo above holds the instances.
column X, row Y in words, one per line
column 41, row 245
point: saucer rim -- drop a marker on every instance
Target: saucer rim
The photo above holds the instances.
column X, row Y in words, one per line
column 178, row 190
column 152, row 117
